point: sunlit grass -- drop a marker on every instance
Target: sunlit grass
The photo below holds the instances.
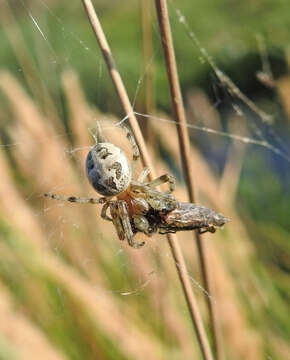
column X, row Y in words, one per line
column 71, row 290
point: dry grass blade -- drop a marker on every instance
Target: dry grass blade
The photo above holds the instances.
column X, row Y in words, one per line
column 176, row 251
column 177, row 103
column 14, row 325
column 147, row 54
column 27, row 62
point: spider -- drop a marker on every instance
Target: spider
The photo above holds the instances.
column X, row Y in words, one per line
column 138, row 206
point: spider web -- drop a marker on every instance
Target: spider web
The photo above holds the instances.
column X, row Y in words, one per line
column 262, row 134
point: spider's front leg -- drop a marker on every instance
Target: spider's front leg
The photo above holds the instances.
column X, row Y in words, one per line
column 75, row 199
column 125, row 219
column 116, row 219
column 104, row 211
column 166, row 178
column 136, row 152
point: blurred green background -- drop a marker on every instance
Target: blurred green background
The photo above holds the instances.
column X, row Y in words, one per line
column 60, row 265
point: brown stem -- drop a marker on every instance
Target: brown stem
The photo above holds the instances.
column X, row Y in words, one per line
column 191, row 300
column 174, row 246
column 117, row 81
column 147, row 55
column 179, row 112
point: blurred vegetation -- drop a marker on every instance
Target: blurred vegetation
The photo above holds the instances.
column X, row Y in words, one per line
column 65, row 280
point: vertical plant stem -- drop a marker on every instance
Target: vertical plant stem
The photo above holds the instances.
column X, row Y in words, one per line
column 117, row 81
column 148, row 65
column 147, row 55
column 179, row 112
column 190, row 298
column 174, row 246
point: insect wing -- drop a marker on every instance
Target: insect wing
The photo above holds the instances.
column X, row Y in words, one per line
column 189, row 216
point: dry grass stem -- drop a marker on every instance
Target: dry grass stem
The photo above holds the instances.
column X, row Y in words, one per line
column 147, row 56
column 176, row 251
column 27, row 63
column 29, row 341
column 179, row 112
column 117, row 81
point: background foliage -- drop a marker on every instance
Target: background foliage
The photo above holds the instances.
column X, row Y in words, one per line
column 68, row 288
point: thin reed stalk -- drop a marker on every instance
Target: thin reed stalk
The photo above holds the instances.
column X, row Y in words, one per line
column 184, row 144
column 148, row 68
column 147, row 55
column 172, row 239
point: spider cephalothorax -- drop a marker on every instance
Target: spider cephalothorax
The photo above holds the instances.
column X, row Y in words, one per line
column 138, row 206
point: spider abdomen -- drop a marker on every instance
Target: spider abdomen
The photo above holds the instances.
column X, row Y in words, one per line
column 108, row 169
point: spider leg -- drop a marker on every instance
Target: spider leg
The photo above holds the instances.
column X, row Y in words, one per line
column 104, row 211
column 117, row 220
column 136, row 153
column 125, row 219
column 143, row 175
column 162, row 180
column 211, row 229
column 142, row 224
column 75, row 199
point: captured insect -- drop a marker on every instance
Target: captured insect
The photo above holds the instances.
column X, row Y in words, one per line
column 138, row 207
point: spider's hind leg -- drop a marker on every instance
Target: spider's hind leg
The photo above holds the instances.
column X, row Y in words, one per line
column 104, row 211
column 211, row 229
